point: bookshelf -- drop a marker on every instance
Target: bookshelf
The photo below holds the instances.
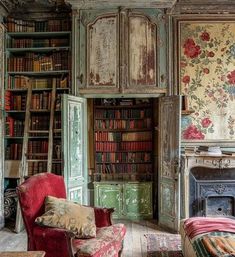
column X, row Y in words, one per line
column 38, row 72
column 123, row 143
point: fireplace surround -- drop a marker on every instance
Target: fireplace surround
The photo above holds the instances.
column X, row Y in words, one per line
column 207, row 185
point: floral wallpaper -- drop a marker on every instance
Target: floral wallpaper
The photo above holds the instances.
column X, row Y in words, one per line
column 207, row 76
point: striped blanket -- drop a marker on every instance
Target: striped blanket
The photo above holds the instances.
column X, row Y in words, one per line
column 215, row 244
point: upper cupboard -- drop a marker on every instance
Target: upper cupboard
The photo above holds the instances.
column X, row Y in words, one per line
column 121, row 51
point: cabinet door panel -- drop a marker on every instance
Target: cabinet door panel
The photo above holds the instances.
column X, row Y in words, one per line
column 146, row 37
column 109, row 196
column 169, row 159
column 102, row 50
column 137, row 200
column 74, row 147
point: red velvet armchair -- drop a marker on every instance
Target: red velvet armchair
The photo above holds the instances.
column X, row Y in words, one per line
column 59, row 242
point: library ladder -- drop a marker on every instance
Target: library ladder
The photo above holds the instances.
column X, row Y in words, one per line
column 27, row 132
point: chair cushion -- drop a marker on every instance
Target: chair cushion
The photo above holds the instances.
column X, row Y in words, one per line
column 108, row 242
column 61, row 213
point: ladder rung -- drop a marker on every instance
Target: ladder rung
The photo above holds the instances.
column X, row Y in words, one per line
column 57, row 130
column 37, row 160
column 40, row 110
column 37, row 154
column 39, row 131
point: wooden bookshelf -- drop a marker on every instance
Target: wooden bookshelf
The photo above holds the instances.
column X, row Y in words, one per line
column 123, row 140
column 38, row 71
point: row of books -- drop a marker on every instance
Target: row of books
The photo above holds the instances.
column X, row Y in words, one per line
column 39, row 122
column 29, row 42
column 39, row 62
column 13, row 151
column 123, row 146
column 18, row 25
column 35, row 148
column 41, row 101
column 123, row 157
column 14, row 102
column 126, row 136
column 123, row 114
column 123, row 168
column 124, row 124
column 20, row 82
column 13, row 127
column 36, row 167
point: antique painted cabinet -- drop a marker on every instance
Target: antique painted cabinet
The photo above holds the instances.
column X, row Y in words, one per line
column 130, row 199
column 121, row 51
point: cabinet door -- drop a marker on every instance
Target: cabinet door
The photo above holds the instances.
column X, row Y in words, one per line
column 137, row 200
column 75, row 147
column 169, row 155
column 109, row 196
column 145, row 56
column 99, row 51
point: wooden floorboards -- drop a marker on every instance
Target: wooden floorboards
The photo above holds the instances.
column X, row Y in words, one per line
column 134, row 243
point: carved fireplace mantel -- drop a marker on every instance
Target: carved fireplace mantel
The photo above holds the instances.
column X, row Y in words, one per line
column 190, row 161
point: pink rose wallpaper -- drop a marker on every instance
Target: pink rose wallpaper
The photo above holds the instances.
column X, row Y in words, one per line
column 207, row 76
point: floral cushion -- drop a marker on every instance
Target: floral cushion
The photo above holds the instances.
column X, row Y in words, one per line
column 107, row 243
column 61, row 213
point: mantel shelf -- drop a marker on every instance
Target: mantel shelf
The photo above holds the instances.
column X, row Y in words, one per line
column 187, row 112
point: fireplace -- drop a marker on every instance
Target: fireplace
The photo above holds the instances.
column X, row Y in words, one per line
column 212, row 192
column 207, row 185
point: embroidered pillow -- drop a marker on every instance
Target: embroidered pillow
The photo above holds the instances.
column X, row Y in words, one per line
column 61, row 213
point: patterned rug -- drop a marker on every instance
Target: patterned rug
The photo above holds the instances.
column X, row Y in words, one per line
column 163, row 245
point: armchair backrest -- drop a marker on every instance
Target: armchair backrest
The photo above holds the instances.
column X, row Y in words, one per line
column 32, row 193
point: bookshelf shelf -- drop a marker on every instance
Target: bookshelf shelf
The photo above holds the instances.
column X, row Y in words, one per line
column 47, row 34
column 123, row 106
column 38, row 49
column 122, row 130
column 39, row 73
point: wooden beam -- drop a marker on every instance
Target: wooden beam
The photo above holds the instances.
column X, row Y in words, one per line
column 94, row 4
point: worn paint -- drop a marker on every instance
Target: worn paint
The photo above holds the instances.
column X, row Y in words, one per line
column 169, row 109
column 102, row 51
column 142, row 51
column 74, row 146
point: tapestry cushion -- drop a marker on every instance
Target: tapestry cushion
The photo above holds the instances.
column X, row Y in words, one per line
column 107, row 243
column 61, row 213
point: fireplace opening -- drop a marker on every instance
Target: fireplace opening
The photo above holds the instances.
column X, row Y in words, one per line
column 212, row 192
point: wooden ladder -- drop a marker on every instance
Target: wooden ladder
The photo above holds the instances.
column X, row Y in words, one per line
column 24, row 161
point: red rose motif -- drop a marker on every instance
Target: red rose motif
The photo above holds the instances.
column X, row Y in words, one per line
column 206, row 70
column 205, row 36
column 231, row 77
column 206, row 122
column 192, row 132
column 186, row 79
column 211, row 54
column 191, row 50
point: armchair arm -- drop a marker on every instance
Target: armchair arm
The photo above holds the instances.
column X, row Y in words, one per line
column 103, row 216
column 55, row 242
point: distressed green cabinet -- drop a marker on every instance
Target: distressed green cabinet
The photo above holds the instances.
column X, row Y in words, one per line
column 121, row 51
column 131, row 200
